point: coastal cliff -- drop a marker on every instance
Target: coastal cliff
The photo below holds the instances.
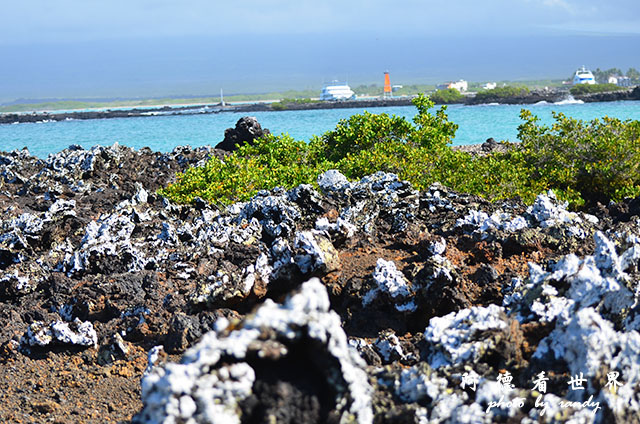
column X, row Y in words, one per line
column 362, row 301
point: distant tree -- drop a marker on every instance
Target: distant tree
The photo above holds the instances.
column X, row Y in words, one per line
column 448, row 95
column 501, row 92
column 595, row 88
column 602, row 77
column 634, row 75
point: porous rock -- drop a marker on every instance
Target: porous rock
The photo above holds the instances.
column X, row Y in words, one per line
column 247, row 129
column 86, row 240
column 206, row 387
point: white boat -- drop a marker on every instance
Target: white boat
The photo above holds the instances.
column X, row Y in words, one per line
column 583, row 76
column 337, row 91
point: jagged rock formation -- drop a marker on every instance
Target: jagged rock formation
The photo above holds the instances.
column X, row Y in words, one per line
column 247, row 129
column 366, row 301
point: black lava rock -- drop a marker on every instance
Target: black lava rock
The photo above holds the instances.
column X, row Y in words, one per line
column 247, row 129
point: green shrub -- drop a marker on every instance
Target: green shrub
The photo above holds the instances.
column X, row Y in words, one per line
column 582, row 161
column 362, row 132
column 432, row 131
column 357, row 146
column 597, row 160
column 501, row 93
column 272, row 161
column 579, row 89
column 286, row 103
column 448, row 95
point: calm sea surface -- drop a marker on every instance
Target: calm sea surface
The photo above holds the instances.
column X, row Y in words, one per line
column 163, row 133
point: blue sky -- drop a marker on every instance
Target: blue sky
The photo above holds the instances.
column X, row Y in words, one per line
column 129, row 48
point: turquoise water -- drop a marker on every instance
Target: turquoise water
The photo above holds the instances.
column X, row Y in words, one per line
column 163, row 133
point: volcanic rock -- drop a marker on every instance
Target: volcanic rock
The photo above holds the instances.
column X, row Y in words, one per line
column 364, row 301
column 247, row 129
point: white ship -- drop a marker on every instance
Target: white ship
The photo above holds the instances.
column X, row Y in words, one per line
column 337, row 91
column 583, row 76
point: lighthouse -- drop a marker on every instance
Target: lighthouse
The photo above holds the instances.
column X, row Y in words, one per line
column 387, row 85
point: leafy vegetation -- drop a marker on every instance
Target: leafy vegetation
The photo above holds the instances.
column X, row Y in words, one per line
column 501, row 92
column 597, row 160
column 90, row 104
column 448, row 95
column 531, row 84
column 634, row 75
column 406, row 90
column 594, row 88
column 602, row 76
column 272, row 161
column 582, row 161
column 286, row 103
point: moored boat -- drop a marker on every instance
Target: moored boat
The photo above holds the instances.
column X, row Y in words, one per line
column 337, row 91
column 583, row 76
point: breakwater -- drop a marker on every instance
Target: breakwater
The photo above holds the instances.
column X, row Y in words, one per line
column 535, row 96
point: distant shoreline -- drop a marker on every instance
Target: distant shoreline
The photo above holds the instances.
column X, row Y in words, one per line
column 550, row 96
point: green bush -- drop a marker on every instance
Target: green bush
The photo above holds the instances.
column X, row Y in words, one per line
column 579, row 89
column 582, row 161
column 501, row 93
column 272, row 161
column 597, row 160
column 448, row 95
column 432, row 131
column 358, row 146
column 362, row 132
column 286, row 103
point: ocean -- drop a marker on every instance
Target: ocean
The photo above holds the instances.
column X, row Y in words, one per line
column 163, row 133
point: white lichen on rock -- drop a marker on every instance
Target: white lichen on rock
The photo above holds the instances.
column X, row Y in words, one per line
column 390, row 281
column 74, row 333
column 482, row 222
column 462, row 336
column 316, row 253
column 201, row 389
column 598, row 281
column 589, row 344
column 548, row 212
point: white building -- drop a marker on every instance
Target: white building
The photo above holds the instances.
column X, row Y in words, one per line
column 618, row 80
column 489, row 86
column 624, row 82
column 460, row 85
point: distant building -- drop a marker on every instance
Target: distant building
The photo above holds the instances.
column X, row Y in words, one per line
column 489, row 86
column 460, row 85
column 620, row 81
column 624, row 82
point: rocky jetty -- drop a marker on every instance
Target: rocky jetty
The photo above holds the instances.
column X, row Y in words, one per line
column 535, row 96
column 611, row 96
column 11, row 118
column 363, row 301
column 549, row 95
